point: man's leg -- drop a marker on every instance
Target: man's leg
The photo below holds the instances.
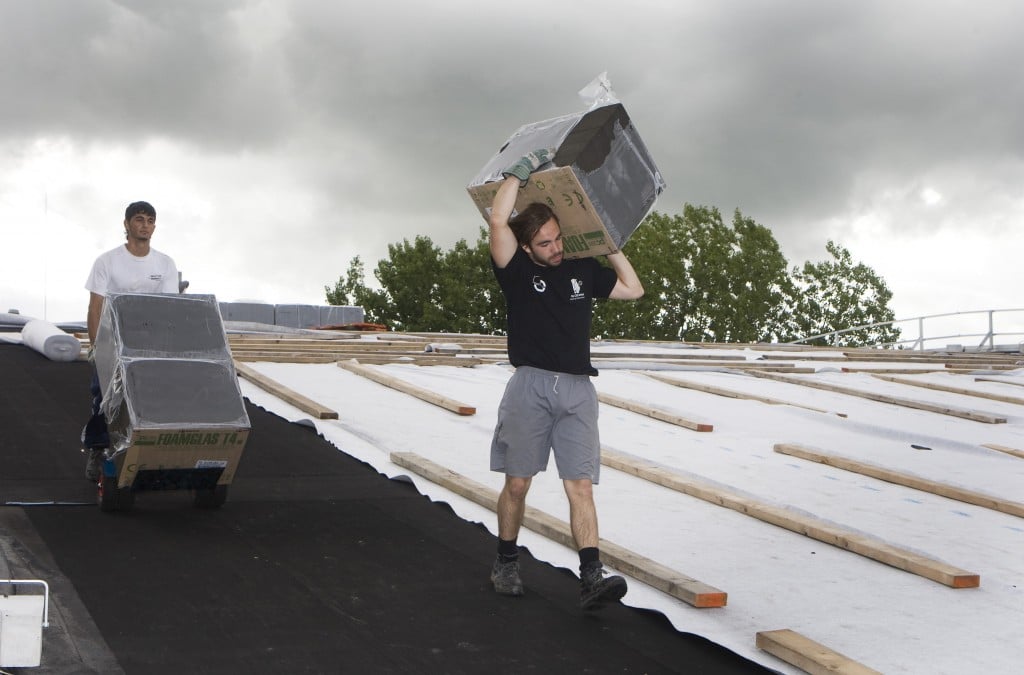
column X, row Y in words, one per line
column 94, row 436
column 511, row 507
column 595, row 589
column 582, row 512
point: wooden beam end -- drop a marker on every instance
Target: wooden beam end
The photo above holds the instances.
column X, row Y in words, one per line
column 705, row 600
column 966, row 581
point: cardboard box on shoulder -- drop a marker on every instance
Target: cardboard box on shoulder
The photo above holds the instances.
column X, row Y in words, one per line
column 601, row 184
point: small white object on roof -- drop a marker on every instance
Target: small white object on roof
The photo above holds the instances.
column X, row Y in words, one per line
column 22, row 619
column 443, row 348
column 50, row 341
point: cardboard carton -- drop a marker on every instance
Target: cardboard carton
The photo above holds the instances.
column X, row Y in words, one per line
column 174, row 409
column 601, row 183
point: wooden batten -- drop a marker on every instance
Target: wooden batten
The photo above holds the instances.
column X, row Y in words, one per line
column 406, row 388
column 284, row 393
column 655, row 413
column 687, row 589
column 907, row 480
column 883, row 369
column 807, row 655
column 810, row 526
column 952, row 390
column 729, row 393
column 973, row 415
column 1018, row 382
column 1002, row 448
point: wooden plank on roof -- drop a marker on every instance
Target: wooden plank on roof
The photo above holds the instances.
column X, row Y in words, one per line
column 807, row 655
column 673, row 355
column 1003, row 380
column 810, row 526
column 665, row 579
column 976, row 359
column 366, row 359
column 805, row 357
column 461, row 362
column 1002, row 448
column 952, row 390
column 729, row 393
column 907, row 480
column 655, row 413
column 397, row 384
column 952, row 411
column 696, row 366
column 906, row 371
column 254, row 357
column 284, row 393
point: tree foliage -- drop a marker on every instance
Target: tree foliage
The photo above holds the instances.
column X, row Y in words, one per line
column 706, row 280
column 836, row 294
column 425, row 289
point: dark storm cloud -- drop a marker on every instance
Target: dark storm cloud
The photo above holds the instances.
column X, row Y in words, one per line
column 779, row 109
column 104, row 72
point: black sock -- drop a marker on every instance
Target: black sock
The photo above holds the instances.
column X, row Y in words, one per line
column 591, row 554
column 508, row 551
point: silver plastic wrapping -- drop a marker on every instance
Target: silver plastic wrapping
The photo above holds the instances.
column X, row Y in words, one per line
column 605, row 152
column 164, row 363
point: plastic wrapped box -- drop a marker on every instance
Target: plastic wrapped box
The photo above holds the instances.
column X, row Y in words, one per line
column 170, row 392
column 601, row 183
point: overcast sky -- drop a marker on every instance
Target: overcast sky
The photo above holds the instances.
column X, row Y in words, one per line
column 278, row 139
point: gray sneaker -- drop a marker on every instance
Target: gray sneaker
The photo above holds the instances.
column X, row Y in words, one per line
column 93, row 464
column 505, row 577
column 596, row 591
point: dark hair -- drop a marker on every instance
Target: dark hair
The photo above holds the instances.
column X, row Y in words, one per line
column 144, row 208
column 527, row 222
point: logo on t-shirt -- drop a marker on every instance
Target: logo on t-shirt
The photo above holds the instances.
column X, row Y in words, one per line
column 539, row 284
column 577, row 289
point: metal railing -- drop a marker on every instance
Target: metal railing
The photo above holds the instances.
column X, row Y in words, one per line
column 942, row 324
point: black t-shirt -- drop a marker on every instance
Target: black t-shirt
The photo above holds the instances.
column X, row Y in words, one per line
column 549, row 311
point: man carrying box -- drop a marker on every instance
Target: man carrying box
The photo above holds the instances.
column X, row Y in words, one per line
column 550, row 402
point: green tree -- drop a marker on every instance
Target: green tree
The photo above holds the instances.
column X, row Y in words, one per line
column 837, row 294
column 468, row 297
column 659, row 314
column 423, row 289
column 759, row 286
column 409, row 278
column 704, row 280
column 351, row 290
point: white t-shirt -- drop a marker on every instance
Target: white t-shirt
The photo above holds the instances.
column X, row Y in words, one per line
column 118, row 271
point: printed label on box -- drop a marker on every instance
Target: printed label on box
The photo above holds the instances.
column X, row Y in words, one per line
column 583, row 233
column 183, row 449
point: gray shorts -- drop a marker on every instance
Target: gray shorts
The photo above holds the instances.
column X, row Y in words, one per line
column 543, row 411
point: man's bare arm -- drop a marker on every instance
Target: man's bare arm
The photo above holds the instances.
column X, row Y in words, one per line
column 93, row 318
column 502, row 240
column 628, row 286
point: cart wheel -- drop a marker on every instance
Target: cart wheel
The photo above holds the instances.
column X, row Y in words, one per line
column 112, row 498
column 212, row 498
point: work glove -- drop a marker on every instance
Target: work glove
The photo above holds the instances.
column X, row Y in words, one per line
column 529, row 163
